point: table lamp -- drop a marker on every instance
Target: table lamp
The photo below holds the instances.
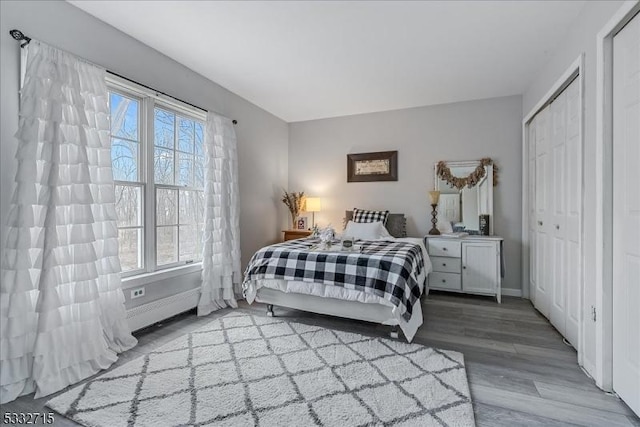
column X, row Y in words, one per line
column 313, row 206
column 434, row 197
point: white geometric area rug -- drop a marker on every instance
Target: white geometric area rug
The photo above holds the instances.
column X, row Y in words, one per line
column 245, row 370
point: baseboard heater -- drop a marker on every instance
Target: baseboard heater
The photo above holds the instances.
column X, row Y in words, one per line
column 158, row 310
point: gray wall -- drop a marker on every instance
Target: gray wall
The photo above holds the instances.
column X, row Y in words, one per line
column 422, row 136
column 580, row 38
column 262, row 137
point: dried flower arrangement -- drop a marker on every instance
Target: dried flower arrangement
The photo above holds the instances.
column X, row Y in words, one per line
column 470, row 181
column 294, row 201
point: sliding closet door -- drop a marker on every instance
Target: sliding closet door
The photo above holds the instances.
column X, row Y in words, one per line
column 573, row 220
column 543, row 214
column 558, row 194
column 626, row 214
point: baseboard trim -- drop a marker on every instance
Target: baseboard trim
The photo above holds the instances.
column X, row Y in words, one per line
column 155, row 311
column 512, row 292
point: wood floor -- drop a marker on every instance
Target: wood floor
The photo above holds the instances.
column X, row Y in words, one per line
column 519, row 369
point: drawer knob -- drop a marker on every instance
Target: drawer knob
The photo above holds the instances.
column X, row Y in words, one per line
column 444, row 281
column 444, row 249
column 464, row 267
column 444, row 265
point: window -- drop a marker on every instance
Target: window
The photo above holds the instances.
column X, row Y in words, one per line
column 178, row 166
column 158, row 168
column 125, row 158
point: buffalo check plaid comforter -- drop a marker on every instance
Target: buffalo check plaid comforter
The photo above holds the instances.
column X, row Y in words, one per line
column 393, row 270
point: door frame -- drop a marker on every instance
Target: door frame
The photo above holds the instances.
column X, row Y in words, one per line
column 573, row 72
column 603, row 373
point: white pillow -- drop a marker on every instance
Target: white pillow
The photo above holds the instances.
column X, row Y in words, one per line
column 384, row 233
column 366, row 230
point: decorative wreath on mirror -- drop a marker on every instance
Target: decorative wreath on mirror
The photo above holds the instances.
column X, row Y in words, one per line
column 444, row 173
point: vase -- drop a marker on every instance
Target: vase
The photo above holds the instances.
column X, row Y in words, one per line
column 294, row 223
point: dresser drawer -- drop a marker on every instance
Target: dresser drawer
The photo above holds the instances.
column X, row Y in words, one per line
column 445, row 264
column 445, row 281
column 444, row 247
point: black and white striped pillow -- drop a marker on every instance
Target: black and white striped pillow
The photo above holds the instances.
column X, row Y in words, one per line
column 361, row 215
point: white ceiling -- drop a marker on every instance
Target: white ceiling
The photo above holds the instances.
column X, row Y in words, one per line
column 310, row 60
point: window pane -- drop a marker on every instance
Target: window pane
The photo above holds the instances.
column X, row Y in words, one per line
column 185, row 135
column 199, row 207
column 128, row 205
column 190, row 243
column 164, row 128
column 185, row 169
column 186, row 207
column 163, row 166
column 130, row 244
column 199, row 139
column 124, row 159
column 191, row 207
column 166, row 206
column 124, row 116
column 167, row 245
column 198, row 172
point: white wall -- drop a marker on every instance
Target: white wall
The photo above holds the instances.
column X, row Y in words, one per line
column 581, row 37
column 461, row 131
column 262, row 137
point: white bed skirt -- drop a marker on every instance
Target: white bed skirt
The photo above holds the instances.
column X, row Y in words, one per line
column 334, row 301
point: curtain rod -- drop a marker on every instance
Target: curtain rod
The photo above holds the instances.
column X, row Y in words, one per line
column 19, row 36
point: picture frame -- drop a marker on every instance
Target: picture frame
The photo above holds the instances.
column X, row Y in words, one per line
column 301, row 223
column 370, row 167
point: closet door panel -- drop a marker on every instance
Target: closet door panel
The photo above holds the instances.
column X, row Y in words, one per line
column 573, row 220
column 573, row 164
column 543, row 219
column 558, row 194
column 532, row 209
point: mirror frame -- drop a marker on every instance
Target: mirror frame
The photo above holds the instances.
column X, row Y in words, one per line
column 488, row 177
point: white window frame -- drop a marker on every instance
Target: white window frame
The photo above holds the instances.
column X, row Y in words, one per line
column 148, row 101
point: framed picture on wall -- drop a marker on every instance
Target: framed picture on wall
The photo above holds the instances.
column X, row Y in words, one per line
column 367, row 167
column 302, row 223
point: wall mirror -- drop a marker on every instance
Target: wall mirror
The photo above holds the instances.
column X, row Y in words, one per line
column 463, row 200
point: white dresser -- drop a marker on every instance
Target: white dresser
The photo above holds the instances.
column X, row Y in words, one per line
column 470, row 264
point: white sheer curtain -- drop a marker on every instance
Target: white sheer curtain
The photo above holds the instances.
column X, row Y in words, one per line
column 221, row 276
column 62, row 315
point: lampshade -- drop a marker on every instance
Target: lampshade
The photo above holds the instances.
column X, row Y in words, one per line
column 312, row 204
column 434, row 196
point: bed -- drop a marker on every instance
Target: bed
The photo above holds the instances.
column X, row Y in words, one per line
column 381, row 280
